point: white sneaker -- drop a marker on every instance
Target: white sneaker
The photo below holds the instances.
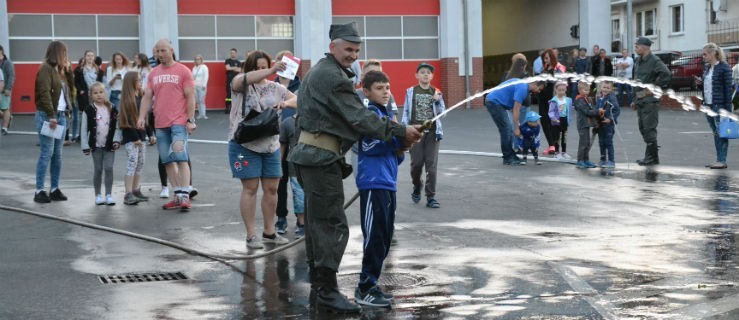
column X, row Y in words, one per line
column 254, row 243
column 165, row 193
column 99, row 199
column 109, row 200
column 278, row 239
column 558, row 156
column 566, row 156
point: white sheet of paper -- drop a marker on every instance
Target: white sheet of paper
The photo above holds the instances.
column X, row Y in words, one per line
column 292, row 64
column 56, row 133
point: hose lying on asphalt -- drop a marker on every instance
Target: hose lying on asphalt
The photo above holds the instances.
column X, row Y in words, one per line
column 217, row 257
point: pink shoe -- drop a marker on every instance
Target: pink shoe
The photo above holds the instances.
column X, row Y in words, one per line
column 550, row 150
column 174, row 204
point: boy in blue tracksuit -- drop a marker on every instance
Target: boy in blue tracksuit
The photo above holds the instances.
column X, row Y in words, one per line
column 607, row 102
column 530, row 138
column 377, row 180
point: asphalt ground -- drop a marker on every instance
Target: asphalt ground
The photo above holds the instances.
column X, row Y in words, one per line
column 526, row 242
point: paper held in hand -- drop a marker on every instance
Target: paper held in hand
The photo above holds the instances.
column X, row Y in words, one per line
column 56, row 133
column 292, row 64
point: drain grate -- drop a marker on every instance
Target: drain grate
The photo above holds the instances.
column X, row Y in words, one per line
column 389, row 279
column 142, row 277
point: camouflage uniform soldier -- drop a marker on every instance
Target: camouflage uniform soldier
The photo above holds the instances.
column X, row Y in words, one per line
column 330, row 119
column 648, row 68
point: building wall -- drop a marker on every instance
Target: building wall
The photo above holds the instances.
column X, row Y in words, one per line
column 512, row 26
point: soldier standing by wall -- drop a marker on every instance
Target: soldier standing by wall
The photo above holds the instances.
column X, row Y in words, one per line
column 648, row 68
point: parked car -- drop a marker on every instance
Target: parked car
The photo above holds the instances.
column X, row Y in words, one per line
column 684, row 70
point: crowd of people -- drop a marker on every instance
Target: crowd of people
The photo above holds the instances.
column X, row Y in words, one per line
column 333, row 110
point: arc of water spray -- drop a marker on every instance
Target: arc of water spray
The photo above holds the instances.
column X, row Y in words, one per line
column 685, row 102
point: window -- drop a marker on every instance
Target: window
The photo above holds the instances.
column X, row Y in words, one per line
column 646, row 23
column 615, row 29
column 30, row 34
column 396, row 37
column 214, row 36
column 677, row 19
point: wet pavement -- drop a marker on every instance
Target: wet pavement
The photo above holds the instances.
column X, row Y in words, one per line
column 534, row 242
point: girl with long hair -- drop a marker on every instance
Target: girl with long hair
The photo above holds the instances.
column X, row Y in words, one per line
column 131, row 138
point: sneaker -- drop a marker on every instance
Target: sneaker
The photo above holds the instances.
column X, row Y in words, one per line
column 130, row 199
column 523, row 162
column 254, row 243
column 281, row 225
column 537, row 161
column 5, row 131
column 589, row 164
column 549, row 150
column 193, row 192
column 41, row 197
column 566, row 156
column 165, row 193
column 580, row 165
column 558, row 156
column 109, row 200
column 140, row 196
column 514, row 162
column 57, row 195
column 432, row 203
column 299, row 231
column 276, row 239
column 99, row 200
column 174, row 204
column 416, row 195
column 184, row 202
column 602, row 163
column 372, row 297
column 611, row 164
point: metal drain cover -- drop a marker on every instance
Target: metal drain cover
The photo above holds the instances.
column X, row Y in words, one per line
column 142, row 277
column 389, row 279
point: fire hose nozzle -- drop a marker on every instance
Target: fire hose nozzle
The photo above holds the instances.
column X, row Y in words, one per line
column 427, row 124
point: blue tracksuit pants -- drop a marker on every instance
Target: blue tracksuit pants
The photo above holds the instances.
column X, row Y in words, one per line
column 378, row 222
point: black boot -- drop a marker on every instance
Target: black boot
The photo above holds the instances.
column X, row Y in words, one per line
column 313, row 285
column 328, row 296
column 651, row 155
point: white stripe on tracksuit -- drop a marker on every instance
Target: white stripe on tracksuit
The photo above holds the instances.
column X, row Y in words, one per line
column 368, row 217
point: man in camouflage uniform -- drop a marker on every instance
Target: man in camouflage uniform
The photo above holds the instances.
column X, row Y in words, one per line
column 330, row 119
column 648, row 68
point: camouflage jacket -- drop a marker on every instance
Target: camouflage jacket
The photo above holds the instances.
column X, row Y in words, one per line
column 651, row 70
column 328, row 104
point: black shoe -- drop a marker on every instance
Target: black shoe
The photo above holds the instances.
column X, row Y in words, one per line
column 41, row 197
column 57, row 195
column 330, row 299
column 193, row 193
column 372, row 297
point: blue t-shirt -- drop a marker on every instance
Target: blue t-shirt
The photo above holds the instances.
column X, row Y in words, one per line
column 508, row 95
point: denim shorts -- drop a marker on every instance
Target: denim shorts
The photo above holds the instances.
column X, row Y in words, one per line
column 4, row 101
column 165, row 137
column 247, row 164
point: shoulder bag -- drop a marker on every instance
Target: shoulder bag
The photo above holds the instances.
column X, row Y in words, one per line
column 255, row 124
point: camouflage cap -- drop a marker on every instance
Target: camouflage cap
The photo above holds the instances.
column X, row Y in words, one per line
column 347, row 32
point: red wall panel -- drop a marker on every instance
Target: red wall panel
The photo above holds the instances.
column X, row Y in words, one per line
column 385, row 7
column 74, row 6
column 402, row 75
column 243, row 7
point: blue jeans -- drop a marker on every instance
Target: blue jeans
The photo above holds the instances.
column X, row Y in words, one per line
column 605, row 141
column 51, row 152
column 115, row 99
column 722, row 145
column 75, row 131
column 626, row 90
column 503, row 120
column 298, row 196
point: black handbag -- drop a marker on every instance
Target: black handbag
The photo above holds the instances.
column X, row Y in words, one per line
column 256, row 124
